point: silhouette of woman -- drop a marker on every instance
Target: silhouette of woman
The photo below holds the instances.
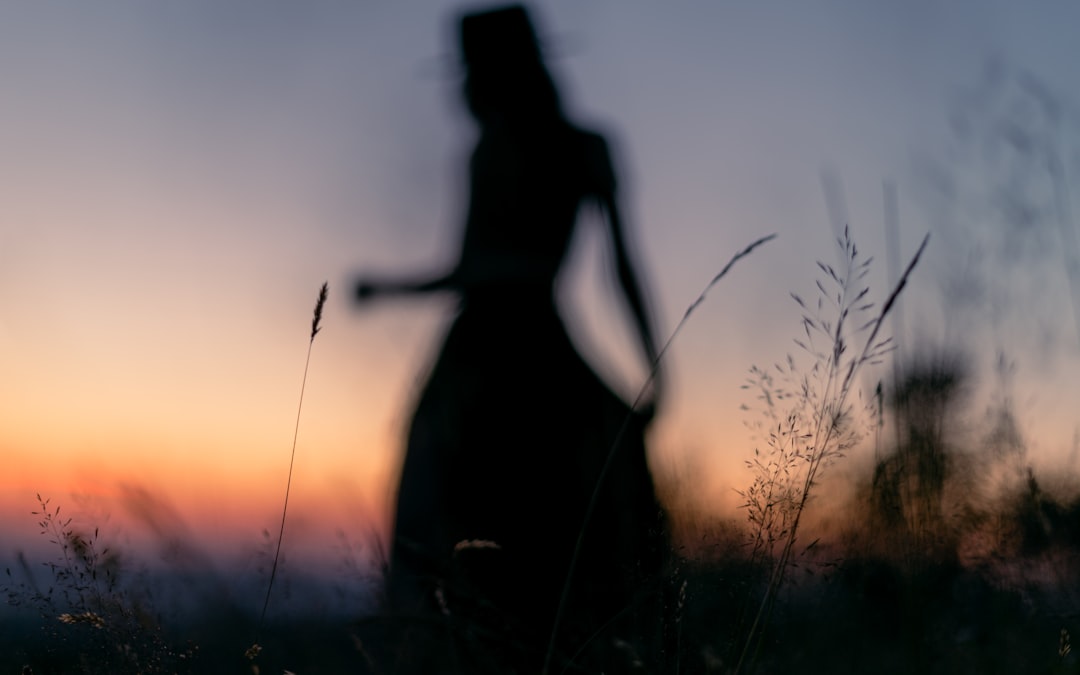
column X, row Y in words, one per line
column 512, row 429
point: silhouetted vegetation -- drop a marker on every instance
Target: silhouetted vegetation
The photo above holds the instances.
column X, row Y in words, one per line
column 952, row 554
column 953, row 557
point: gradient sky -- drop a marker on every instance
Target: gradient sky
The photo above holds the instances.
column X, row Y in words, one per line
column 178, row 179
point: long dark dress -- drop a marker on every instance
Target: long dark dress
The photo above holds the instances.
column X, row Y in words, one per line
column 512, row 429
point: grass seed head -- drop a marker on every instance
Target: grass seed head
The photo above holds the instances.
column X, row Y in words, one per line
column 318, row 310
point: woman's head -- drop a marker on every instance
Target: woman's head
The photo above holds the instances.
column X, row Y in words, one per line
column 505, row 76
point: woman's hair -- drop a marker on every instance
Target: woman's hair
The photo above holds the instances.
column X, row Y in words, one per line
column 505, row 74
column 523, row 95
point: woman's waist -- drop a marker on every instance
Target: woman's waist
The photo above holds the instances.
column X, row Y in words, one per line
column 526, row 293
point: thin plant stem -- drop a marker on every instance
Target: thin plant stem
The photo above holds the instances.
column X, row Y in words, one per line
column 316, row 318
column 653, row 369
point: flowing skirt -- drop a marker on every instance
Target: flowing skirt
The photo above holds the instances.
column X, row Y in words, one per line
column 505, row 449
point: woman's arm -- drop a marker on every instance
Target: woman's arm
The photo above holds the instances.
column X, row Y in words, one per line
column 601, row 178
column 471, row 272
column 632, row 291
column 366, row 289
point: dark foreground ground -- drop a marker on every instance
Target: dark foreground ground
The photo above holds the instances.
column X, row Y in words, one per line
column 855, row 616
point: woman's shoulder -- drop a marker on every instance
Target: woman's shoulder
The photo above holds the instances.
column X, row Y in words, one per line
column 590, row 139
column 595, row 153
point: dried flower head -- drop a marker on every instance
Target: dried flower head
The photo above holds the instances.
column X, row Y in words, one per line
column 85, row 617
column 466, row 544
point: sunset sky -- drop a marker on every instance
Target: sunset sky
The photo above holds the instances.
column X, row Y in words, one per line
column 177, row 179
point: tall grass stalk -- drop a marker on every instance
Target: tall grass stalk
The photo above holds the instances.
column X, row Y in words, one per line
column 801, row 447
column 315, row 320
column 653, row 369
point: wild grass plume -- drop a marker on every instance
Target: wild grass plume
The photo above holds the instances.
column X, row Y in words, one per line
column 809, row 420
column 87, row 612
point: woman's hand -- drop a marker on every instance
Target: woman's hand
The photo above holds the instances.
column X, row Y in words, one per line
column 366, row 289
column 651, row 404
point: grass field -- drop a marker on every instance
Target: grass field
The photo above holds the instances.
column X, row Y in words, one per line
column 949, row 556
